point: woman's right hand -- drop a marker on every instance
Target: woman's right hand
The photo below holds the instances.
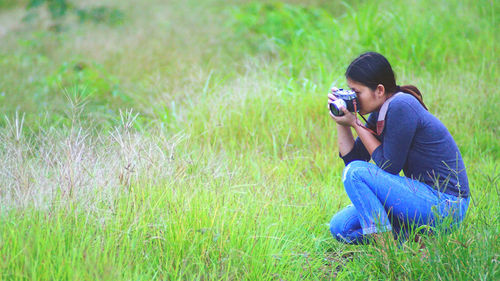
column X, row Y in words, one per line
column 346, row 120
column 331, row 97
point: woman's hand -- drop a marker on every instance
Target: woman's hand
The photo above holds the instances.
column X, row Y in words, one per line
column 348, row 119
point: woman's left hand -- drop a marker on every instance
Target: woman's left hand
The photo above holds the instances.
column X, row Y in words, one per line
column 348, row 119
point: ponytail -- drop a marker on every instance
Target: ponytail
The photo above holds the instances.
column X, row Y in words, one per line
column 412, row 90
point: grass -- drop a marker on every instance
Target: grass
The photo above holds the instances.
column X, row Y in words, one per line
column 191, row 141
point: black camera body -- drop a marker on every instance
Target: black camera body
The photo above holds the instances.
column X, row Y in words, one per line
column 345, row 98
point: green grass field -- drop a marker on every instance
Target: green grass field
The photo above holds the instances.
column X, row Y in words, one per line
column 189, row 140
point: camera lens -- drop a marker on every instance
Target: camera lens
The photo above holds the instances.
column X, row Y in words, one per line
column 335, row 107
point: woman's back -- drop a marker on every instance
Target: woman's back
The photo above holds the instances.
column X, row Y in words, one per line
column 418, row 143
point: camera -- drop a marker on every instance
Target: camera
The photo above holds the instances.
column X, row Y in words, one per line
column 345, row 98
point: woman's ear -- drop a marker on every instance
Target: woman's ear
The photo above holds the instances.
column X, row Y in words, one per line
column 380, row 91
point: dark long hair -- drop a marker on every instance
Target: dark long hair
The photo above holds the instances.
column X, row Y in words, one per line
column 372, row 69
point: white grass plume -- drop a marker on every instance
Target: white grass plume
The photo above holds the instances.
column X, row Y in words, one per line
column 79, row 164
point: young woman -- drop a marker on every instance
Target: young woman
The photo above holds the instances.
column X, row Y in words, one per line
column 400, row 134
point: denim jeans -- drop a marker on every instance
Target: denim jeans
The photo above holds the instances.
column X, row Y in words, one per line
column 385, row 202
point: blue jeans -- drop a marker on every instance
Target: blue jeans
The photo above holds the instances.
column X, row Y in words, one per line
column 385, row 202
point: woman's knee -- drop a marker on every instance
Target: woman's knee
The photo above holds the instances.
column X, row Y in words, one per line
column 336, row 226
column 343, row 223
column 356, row 170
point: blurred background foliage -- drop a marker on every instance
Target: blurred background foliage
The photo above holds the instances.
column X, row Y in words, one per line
column 158, row 57
column 59, row 10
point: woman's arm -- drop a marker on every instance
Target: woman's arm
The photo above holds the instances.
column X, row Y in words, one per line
column 345, row 139
column 400, row 129
column 369, row 140
column 349, row 149
column 344, row 133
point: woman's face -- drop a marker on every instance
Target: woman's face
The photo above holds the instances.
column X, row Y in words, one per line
column 368, row 100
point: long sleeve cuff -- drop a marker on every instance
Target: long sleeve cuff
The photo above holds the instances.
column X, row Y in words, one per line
column 349, row 157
